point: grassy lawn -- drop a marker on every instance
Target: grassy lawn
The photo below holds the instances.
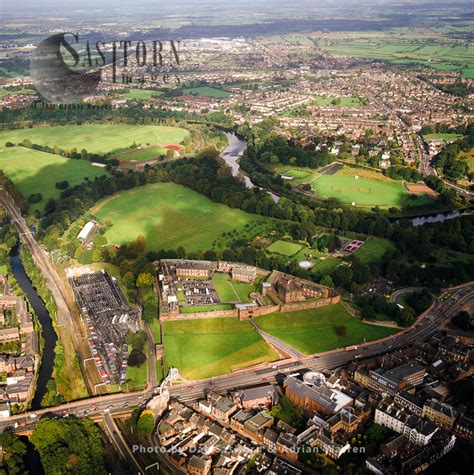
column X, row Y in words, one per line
column 325, row 266
column 373, row 250
column 206, row 91
column 324, row 101
column 159, row 370
column 444, row 137
column 169, row 215
column 284, row 247
column 33, row 171
column 224, row 288
column 313, row 331
column 136, row 376
column 155, row 330
column 97, row 138
column 208, row 347
column 141, row 94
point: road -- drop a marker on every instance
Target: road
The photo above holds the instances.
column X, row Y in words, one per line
column 68, row 314
column 422, row 329
column 284, row 347
column 121, row 446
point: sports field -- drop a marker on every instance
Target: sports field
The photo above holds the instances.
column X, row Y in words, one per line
column 169, row 216
column 211, row 346
column 313, row 330
column 206, row 91
column 33, row 171
column 232, row 291
column 96, row 138
column 352, row 185
column 143, row 154
column 373, row 250
column 284, row 247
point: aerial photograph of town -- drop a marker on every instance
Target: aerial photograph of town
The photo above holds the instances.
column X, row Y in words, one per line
column 236, row 237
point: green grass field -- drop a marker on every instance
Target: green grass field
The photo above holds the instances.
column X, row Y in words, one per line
column 206, row 91
column 208, row 347
column 373, row 250
column 231, row 291
column 169, row 215
column 8, row 92
column 33, row 171
column 136, row 375
column 324, row 101
column 141, row 94
column 96, row 138
column 370, row 188
column 285, row 248
column 313, row 331
column 143, row 155
column 325, row 266
column 443, row 137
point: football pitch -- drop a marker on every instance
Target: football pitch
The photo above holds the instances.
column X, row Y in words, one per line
column 169, row 216
column 33, row 171
column 211, row 346
column 314, row 330
column 360, row 186
column 96, row 138
column 143, row 155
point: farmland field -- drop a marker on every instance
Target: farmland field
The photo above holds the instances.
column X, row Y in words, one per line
column 169, row 215
column 33, row 171
column 313, row 330
column 211, row 346
column 373, row 250
column 96, row 138
column 404, row 46
column 285, row 248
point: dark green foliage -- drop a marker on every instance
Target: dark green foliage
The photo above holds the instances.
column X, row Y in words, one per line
column 69, row 445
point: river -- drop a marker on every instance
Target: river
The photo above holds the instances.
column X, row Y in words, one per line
column 231, row 155
column 236, row 147
column 48, row 333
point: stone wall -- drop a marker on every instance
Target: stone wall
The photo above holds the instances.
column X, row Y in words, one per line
column 197, row 315
column 293, row 307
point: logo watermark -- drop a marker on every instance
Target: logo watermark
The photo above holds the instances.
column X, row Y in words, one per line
column 65, row 70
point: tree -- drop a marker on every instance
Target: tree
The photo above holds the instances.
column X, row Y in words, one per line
column 145, row 424
column 136, row 358
column 69, row 445
column 463, row 321
column 341, row 330
column 128, row 280
column 145, row 279
column 14, row 451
